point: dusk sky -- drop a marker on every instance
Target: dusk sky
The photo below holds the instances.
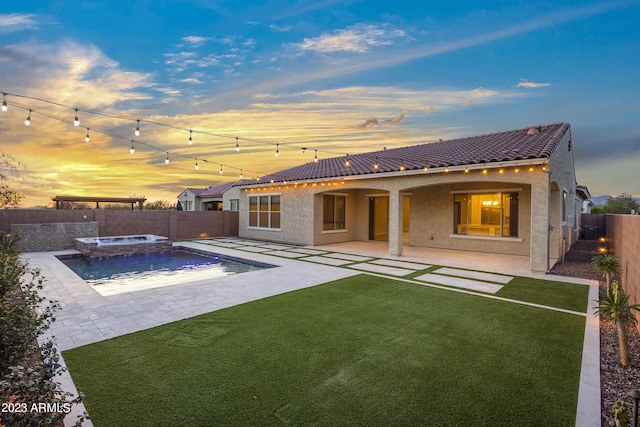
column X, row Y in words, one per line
column 334, row 76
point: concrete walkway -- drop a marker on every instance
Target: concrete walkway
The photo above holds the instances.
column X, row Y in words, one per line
column 87, row 317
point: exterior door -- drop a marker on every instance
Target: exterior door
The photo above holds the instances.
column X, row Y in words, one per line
column 379, row 218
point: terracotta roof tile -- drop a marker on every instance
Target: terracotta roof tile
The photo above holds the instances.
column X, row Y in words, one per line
column 522, row 144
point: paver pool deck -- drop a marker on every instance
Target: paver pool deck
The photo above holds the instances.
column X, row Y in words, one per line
column 87, row 317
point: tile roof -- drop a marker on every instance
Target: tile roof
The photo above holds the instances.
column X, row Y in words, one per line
column 195, row 191
column 216, row 191
column 537, row 142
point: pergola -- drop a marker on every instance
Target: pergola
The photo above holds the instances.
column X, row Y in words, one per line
column 129, row 200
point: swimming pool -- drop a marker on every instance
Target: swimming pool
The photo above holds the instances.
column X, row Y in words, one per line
column 115, row 275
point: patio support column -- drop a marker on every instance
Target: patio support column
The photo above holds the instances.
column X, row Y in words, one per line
column 395, row 222
column 539, row 227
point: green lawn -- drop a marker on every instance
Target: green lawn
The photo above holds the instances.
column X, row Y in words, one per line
column 358, row 351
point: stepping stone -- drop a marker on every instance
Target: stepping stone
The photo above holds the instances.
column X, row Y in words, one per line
column 459, row 282
column 277, row 247
column 489, row 277
column 329, row 261
column 252, row 249
column 373, row 268
column 402, row 264
column 348, row 257
column 310, row 251
column 285, row 254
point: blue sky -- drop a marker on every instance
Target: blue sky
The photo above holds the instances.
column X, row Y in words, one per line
column 336, row 76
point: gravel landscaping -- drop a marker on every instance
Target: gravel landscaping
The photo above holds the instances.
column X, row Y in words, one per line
column 615, row 381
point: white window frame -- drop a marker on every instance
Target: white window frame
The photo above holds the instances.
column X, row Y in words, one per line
column 268, row 211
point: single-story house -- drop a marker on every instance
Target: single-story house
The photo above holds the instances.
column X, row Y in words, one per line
column 510, row 192
column 584, row 198
column 208, row 199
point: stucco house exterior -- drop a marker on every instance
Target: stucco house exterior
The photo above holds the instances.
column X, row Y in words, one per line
column 208, row 199
column 511, row 192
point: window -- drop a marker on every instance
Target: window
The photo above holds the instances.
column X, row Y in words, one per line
column 490, row 214
column 234, row 204
column 333, row 217
column 264, row 211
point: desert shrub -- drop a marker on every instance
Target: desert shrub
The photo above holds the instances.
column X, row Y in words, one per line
column 29, row 393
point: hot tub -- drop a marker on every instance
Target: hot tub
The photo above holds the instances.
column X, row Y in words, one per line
column 102, row 247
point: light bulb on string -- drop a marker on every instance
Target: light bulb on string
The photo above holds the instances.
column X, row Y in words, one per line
column 190, row 138
column 132, row 150
column 27, row 121
column 76, row 120
column 137, row 131
column 5, row 107
column 237, row 146
column 221, row 172
column 166, row 161
column 87, row 138
column 277, row 151
column 197, row 167
column 240, row 173
column 347, row 163
column 375, row 165
column 315, row 157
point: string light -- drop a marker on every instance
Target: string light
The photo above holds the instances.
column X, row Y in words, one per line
column 87, row 138
column 137, row 131
column 315, row 157
column 401, row 165
column 466, row 169
column 133, row 150
column 277, row 151
column 517, row 169
column 221, row 169
column 240, row 173
column 27, row 121
column 166, row 161
column 197, row 167
column 425, row 168
column 446, row 169
column 4, row 102
column 347, row 163
column 190, row 139
column 76, row 120
column 237, row 146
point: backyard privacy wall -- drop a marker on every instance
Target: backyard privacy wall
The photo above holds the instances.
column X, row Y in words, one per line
column 176, row 225
column 623, row 232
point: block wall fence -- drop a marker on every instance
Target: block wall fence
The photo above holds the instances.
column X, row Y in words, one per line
column 176, row 225
column 623, row 234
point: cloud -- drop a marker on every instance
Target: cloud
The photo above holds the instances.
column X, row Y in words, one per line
column 192, row 80
column 195, row 41
column 532, row 85
column 359, row 38
column 280, row 28
column 12, row 22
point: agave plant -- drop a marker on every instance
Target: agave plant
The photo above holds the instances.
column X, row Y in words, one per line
column 608, row 265
column 614, row 305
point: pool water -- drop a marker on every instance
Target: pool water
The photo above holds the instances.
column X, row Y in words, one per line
column 125, row 274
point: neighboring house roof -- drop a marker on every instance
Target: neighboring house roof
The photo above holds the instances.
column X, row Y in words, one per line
column 194, row 191
column 217, row 191
column 583, row 191
column 537, row 142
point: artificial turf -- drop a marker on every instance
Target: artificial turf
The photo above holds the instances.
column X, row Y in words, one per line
column 358, row 351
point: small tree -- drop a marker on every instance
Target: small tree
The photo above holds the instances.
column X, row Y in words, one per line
column 622, row 204
column 608, row 265
column 614, row 305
